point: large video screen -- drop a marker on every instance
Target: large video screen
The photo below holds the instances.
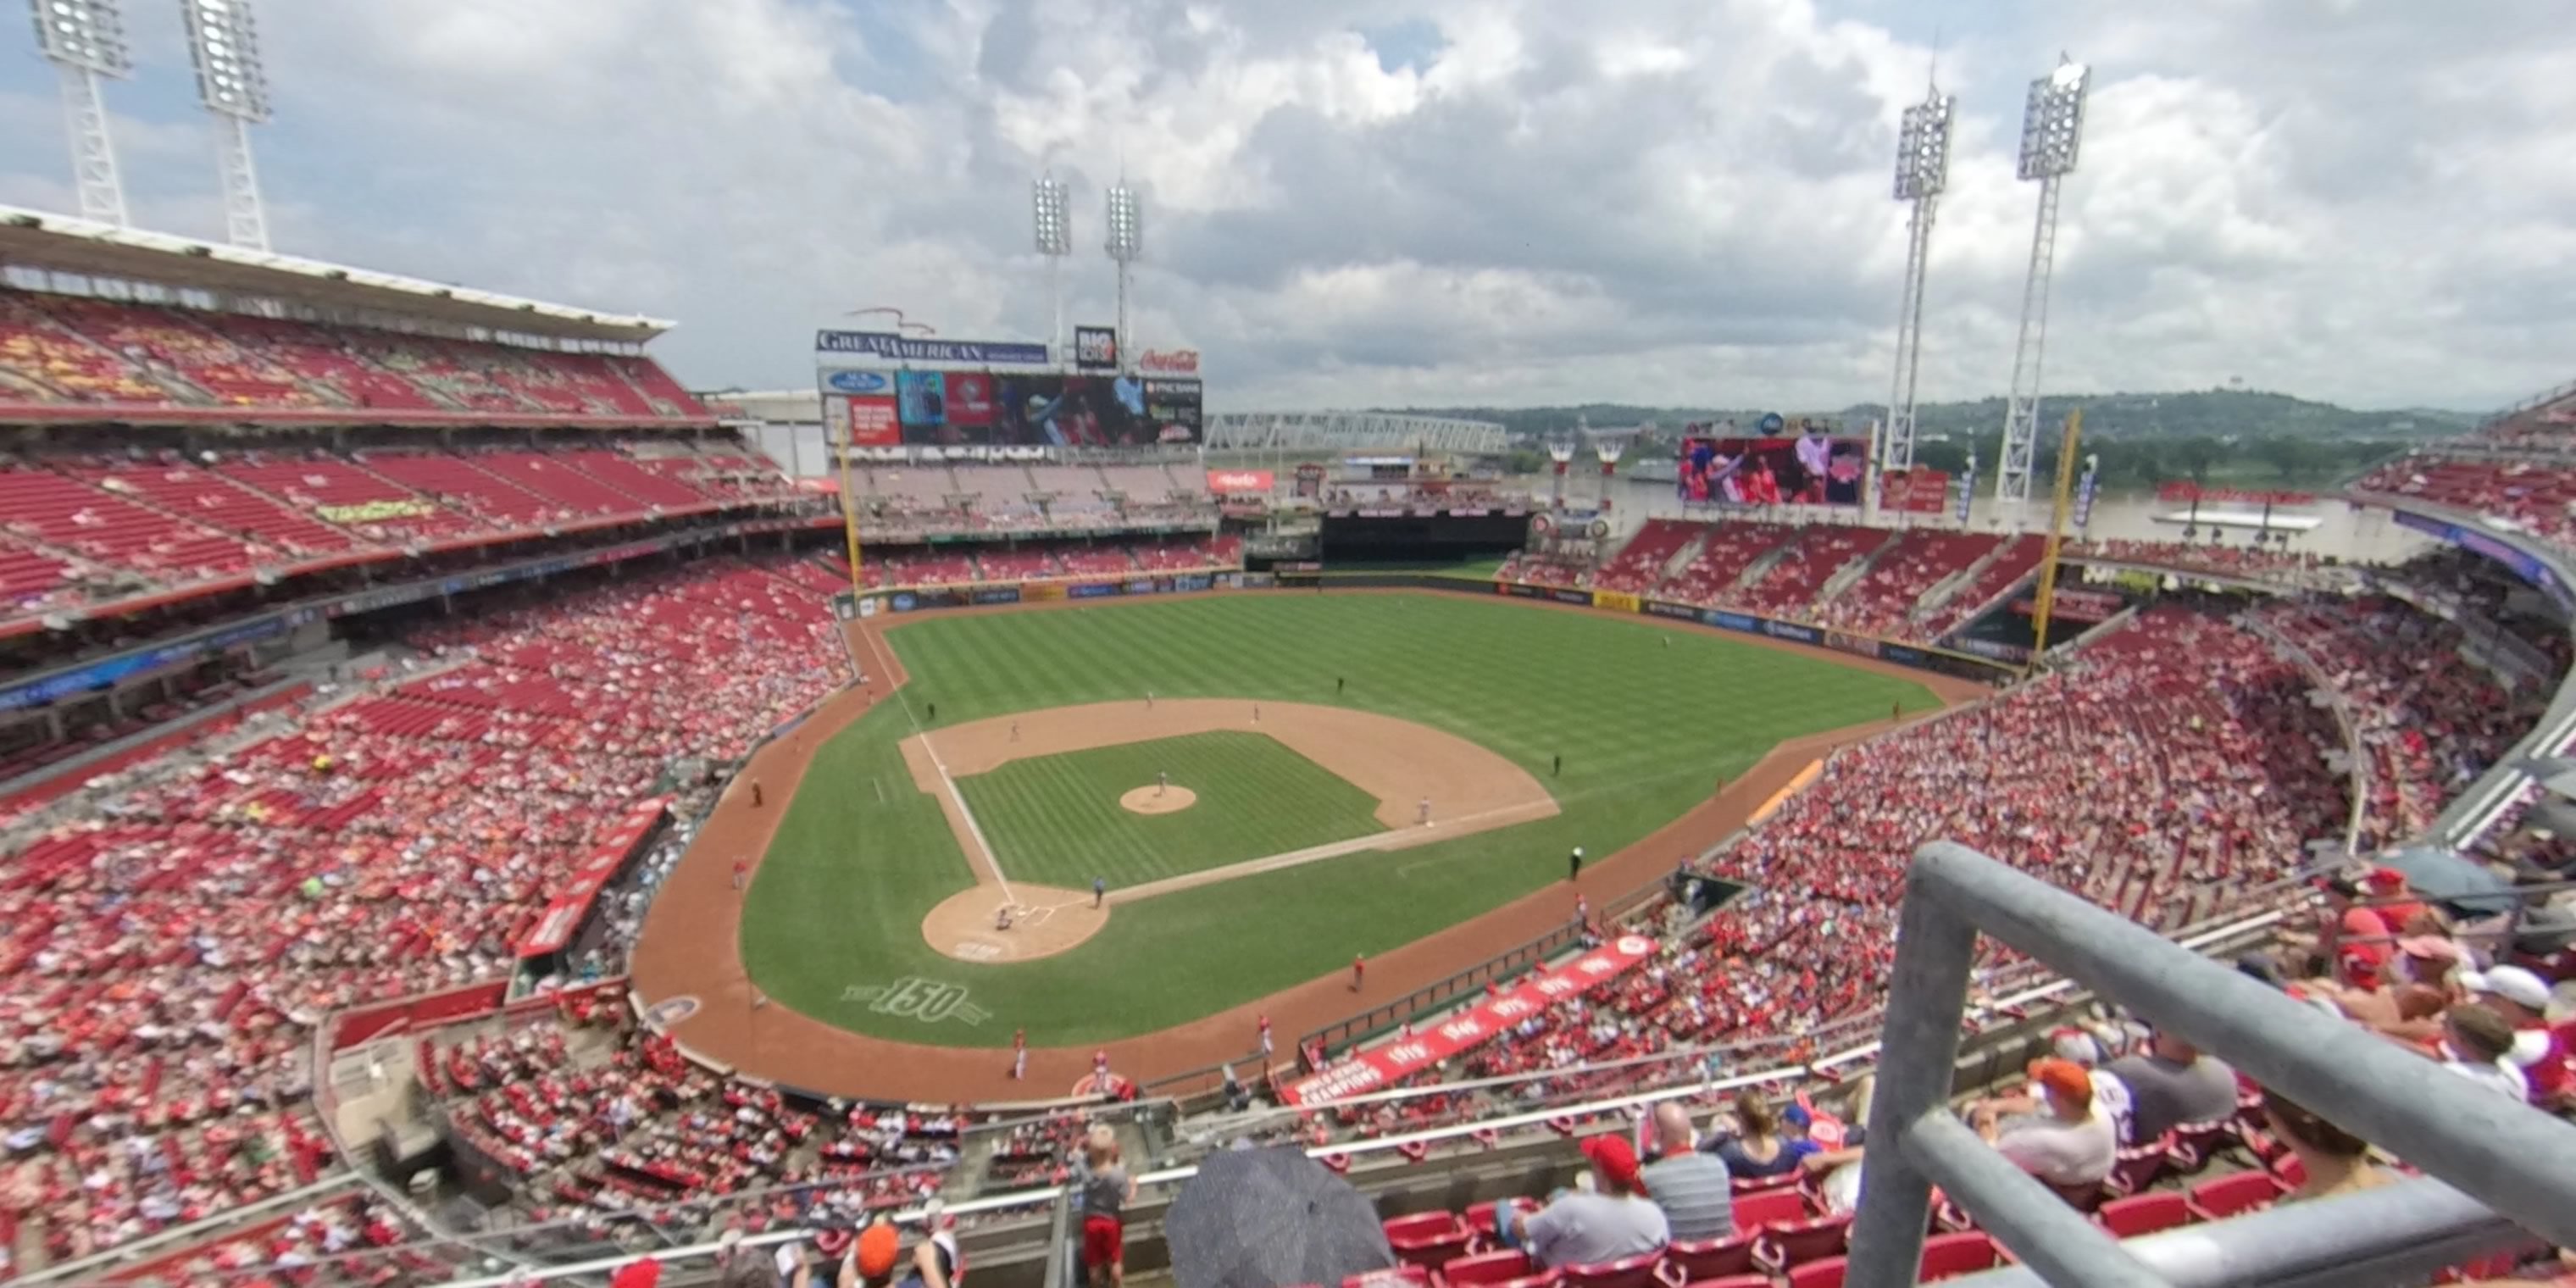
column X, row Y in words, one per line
column 1803, row 469
column 983, row 408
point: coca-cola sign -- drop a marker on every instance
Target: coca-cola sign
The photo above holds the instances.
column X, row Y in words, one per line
column 1170, row 362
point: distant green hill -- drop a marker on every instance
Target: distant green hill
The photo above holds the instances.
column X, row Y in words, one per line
column 2229, row 436
column 2221, row 414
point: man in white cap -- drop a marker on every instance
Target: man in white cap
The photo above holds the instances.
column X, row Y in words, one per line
column 2522, row 998
column 1574, row 866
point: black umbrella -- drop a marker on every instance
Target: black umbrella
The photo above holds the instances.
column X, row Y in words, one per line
column 1271, row 1218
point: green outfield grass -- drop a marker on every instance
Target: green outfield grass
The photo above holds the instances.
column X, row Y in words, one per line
column 1056, row 819
column 1648, row 721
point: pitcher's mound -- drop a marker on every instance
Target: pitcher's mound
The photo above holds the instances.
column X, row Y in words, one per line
column 1044, row 921
column 1159, row 800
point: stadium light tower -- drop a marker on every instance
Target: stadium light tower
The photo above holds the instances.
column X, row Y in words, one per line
column 2052, row 129
column 234, row 87
column 85, row 40
column 1922, row 171
column 1051, row 203
column 1126, row 243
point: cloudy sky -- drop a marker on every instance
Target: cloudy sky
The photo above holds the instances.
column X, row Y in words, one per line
column 1418, row 202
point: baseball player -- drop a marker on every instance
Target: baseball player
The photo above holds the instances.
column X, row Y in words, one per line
column 1359, row 969
column 741, row 873
column 1422, row 812
column 1162, row 782
column 1019, row 1054
column 1265, row 1041
column 1100, row 1071
column 1574, row 864
column 1099, row 890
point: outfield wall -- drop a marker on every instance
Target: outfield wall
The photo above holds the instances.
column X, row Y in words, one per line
column 1919, row 657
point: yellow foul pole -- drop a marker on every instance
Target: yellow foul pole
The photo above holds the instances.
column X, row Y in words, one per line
column 850, row 514
column 2056, row 537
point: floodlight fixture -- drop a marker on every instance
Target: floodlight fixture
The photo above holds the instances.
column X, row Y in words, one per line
column 2052, row 121
column 1126, row 224
column 1126, row 244
column 1051, row 206
column 1923, row 148
column 85, row 41
column 88, row 34
column 1051, row 202
column 2052, row 130
column 224, row 41
column 1922, row 171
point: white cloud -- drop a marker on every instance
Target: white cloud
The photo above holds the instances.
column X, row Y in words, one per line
column 1500, row 201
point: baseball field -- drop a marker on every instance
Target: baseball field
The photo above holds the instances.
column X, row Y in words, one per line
column 1254, row 822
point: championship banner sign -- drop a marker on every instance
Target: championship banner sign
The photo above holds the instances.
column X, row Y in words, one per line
column 1384, row 1065
column 899, row 348
column 1620, row 601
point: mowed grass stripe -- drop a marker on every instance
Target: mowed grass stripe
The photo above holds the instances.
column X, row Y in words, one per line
column 1649, row 721
column 1056, row 820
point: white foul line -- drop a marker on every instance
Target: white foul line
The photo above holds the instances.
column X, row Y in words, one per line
column 946, row 783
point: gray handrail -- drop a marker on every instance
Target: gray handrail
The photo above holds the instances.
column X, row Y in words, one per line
column 2446, row 1125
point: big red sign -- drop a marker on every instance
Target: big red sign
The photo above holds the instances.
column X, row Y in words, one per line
column 1170, row 362
column 1222, row 481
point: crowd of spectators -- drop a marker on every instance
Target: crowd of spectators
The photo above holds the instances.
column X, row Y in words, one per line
column 161, row 957
column 2222, row 558
column 93, row 527
column 66, row 349
column 2430, row 719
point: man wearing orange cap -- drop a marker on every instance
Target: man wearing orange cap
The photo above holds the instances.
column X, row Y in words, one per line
column 2057, row 1134
column 1615, row 1219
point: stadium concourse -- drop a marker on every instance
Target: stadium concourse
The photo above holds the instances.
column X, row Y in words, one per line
column 375, row 728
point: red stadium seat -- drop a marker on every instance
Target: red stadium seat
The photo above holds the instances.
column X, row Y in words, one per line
column 1433, row 1249
column 1391, row 1277
column 1754, row 1280
column 1947, row 1256
column 1753, row 1211
column 2143, row 1214
column 1827, row 1273
column 1423, row 1225
column 1627, row 1272
column 1691, row 1261
column 1789, row 1243
column 1499, row 1266
column 2221, row 1197
column 2194, row 1144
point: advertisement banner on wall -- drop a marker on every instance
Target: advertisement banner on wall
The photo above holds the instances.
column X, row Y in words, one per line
column 997, row 595
column 1860, row 644
column 1731, row 621
column 1563, row 596
column 896, row 348
column 1169, row 362
column 1616, row 601
column 921, row 399
column 1175, row 409
column 1790, row 631
column 1221, row 482
column 1521, row 589
column 1093, row 590
column 867, row 420
column 1045, row 590
column 970, row 400
column 1095, row 348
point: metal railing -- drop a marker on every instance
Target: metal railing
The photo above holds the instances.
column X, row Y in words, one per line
column 2492, row 1154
